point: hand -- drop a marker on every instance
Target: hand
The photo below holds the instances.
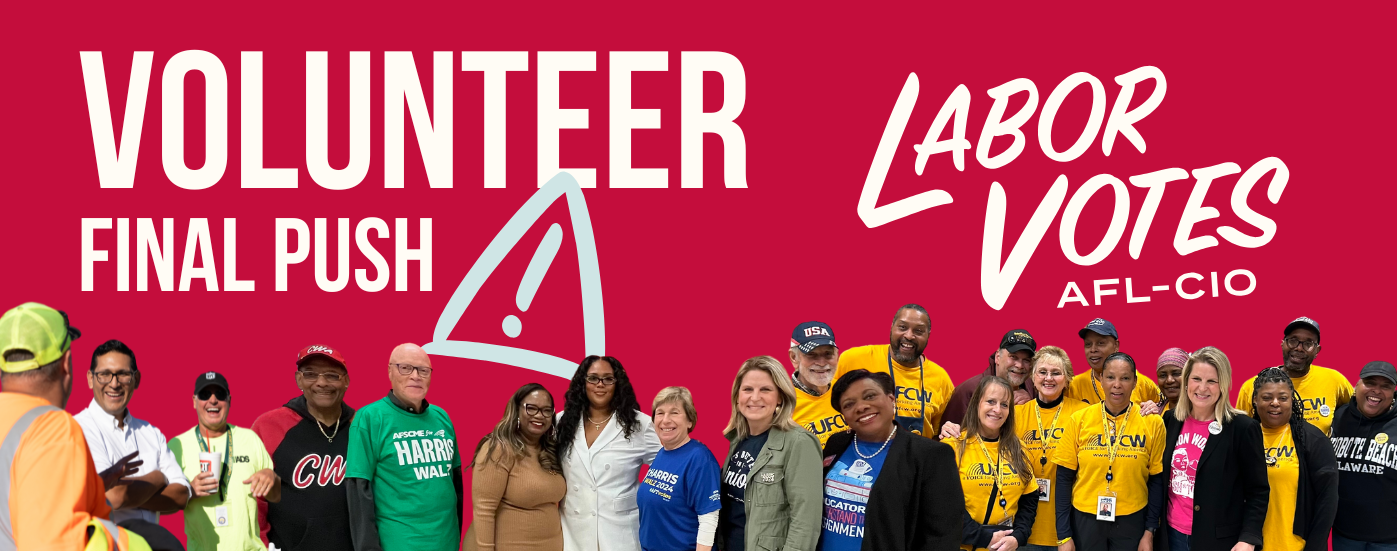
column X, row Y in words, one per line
column 1008, row 543
column 999, row 538
column 1151, row 408
column 204, row 485
column 123, row 468
column 1067, row 546
column 949, row 430
column 1021, row 397
column 1243, row 546
column 1147, row 541
column 262, row 482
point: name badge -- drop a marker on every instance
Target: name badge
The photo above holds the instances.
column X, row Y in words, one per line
column 220, row 516
column 1044, row 486
column 1106, row 507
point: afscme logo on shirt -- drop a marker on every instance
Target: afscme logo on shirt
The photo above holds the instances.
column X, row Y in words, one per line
column 414, row 434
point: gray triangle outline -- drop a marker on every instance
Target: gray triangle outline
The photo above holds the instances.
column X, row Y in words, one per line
column 562, row 185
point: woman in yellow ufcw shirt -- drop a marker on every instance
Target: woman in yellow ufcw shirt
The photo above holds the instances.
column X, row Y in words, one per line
column 1001, row 496
column 1040, row 424
column 1300, row 466
column 1110, row 460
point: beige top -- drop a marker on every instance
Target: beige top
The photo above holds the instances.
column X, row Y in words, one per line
column 516, row 504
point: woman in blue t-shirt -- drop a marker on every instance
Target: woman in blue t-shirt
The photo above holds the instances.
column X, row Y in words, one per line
column 679, row 498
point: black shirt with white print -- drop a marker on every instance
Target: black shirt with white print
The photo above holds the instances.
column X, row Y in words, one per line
column 734, row 513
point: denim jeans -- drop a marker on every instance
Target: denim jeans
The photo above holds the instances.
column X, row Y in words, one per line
column 1344, row 544
column 1178, row 541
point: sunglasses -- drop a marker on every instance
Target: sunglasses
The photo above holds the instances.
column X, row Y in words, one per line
column 218, row 392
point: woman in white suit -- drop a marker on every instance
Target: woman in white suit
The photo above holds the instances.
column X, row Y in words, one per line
column 603, row 439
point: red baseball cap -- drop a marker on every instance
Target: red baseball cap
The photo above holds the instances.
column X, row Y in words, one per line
column 320, row 350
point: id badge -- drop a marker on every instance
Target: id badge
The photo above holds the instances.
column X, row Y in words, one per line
column 1044, row 489
column 1106, row 506
column 220, row 516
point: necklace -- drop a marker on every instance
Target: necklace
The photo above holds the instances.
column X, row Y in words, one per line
column 880, row 448
column 1271, row 460
column 598, row 424
column 331, row 436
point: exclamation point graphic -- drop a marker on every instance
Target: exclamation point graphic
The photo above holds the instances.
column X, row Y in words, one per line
column 533, row 277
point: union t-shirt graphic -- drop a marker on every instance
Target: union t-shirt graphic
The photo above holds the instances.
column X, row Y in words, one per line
column 409, row 458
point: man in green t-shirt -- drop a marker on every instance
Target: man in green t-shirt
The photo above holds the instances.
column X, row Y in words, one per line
column 222, row 514
column 402, row 470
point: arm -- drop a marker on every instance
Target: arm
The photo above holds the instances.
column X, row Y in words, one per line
column 1256, row 489
column 176, row 492
column 970, row 532
column 489, row 478
column 363, row 518
column 942, row 500
column 1154, row 510
column 804, row 491
column 133, row 492
column 1062, row 501
column 265, row 484
column 1324, row 485
column 1023, row 519
column 456, row 479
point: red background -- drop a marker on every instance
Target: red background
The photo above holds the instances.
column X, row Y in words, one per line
column 696, row 280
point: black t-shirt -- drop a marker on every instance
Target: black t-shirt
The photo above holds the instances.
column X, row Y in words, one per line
column 735, row 488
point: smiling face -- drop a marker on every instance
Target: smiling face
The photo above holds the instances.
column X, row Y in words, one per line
column 994, row 409
column 1273, row 404
column 908, row 337
column 868, row 409
column 1374, row 395
column 1298, row 358
column 1171, row 379
column 1097, row 347
column 816, row 369
column 758, row 399
column 535, row 415
column 672, row 424
column 1118, row 381
column 1204, row 389
column 1013, row 365
column 322, row 382
column 412, row 386
column 599, row 394
column 211, row 405
column 1049, row 378
column 113, row 396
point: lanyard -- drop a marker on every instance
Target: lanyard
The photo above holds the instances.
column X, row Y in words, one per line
column 1109, row 428
column 916, row 425
column 1043, row 434
column 1094, row 389
column 998, row 481
column 227, row 451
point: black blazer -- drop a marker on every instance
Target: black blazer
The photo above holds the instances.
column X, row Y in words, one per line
column 1317, row 490
column 1231, row 491
column 916, row 504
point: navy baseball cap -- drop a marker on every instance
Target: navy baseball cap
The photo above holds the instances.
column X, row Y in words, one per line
column 1018, row 340
column 1101, row 327
column 1305, row 322
column 812, row 334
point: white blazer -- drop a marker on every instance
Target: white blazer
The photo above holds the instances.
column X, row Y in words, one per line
column 602, row 482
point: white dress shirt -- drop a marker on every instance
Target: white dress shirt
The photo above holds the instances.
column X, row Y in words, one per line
column 600, row 507
column 109, row 441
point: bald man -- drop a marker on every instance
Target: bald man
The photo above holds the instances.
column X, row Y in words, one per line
column 403, row 472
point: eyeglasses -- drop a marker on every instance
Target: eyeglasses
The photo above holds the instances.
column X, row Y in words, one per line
column 329, row 377
column 217, row 392
column 1293, row 342
column 407, row 369
column 534, row 411
column 604, row 381
column 105, row 377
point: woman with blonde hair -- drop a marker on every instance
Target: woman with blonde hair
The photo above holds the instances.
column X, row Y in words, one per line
column 679, row 498
column 1218, row 491
column 1040, row 425
column 772, row 474
column 516, row 479
column 1001, row 495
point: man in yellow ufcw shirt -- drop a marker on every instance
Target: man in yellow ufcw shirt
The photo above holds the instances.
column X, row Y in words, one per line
column 1322, row 390
column 923, row 388
column 51, row 494
column 815, row 358
column 1099, row 340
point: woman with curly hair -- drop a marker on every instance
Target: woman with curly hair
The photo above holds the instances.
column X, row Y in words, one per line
column 603, row 439
column 1300, row 466
column 516, row 481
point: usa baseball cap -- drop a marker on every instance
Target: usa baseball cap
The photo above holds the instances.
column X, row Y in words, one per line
column 1018, row 340
column 811, row 335
column 322, row 351
column 1305, row 322
column 37, row 329
column 1379, row 369
column 1099, row 326
column 208, row 379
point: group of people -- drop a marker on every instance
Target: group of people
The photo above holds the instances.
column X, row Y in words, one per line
column 872, row 448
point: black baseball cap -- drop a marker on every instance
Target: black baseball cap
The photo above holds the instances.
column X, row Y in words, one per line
column 1099, row 326
column 211, row 378
column 1379, row 369
column 811, row 335
column 1018, row 340
column 1305, row 322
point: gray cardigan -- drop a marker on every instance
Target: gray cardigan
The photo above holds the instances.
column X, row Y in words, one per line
column 784, row 496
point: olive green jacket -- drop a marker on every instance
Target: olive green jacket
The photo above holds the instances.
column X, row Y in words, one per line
column 784, row 495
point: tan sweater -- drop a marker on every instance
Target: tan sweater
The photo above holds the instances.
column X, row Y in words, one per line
column 516, row 504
